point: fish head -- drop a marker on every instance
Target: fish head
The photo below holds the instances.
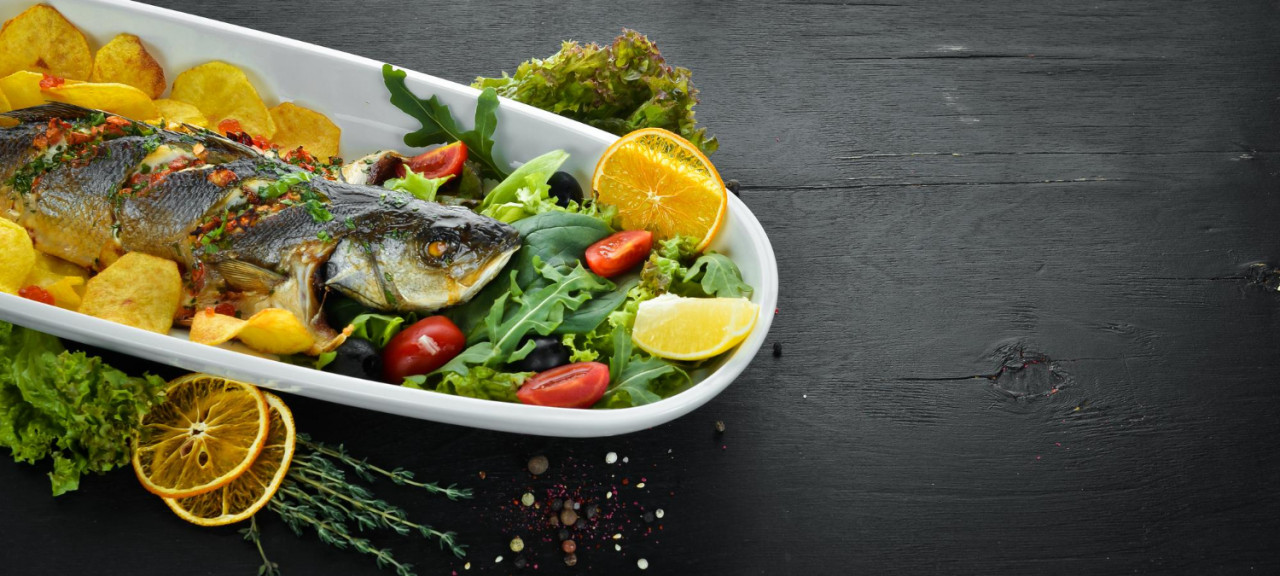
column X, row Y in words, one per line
column 399, row 261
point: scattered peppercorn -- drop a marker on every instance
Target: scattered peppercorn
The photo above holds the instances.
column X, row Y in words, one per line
column 570, row 559
column 648, row 517
column 538, row 464
column 581, row 523
column 521, row 562
column 527, row 499
column 719, row 426
column 659, row 513
column 777, row 349
column 569, row 546
column 563, row 534
column 610, row 458
column 733, row 186
column 556, row 505
column 592, row 510
column 568, row 516
column 517, row 544
column 642, row 564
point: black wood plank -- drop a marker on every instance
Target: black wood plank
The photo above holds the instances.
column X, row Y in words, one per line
column 1074, row 193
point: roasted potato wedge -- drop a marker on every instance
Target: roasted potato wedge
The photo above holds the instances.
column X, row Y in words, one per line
column 209, row 327
column 42, row 40
column 124, row 60
column 276, row 331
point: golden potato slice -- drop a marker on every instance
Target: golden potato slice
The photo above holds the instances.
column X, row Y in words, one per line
column 64, row 280
column 17, row 256
column 137, row 290
column 22, row 89
column 124, row 60
column 5, row 107
column 121, row 99
column 42, row 40
column 209, row 327
column 276, row 331
column 222, row 91
column 297, row 126
column 181, row 112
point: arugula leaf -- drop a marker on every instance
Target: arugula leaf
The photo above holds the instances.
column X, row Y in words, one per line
column 719, row 276
column 540, row 311
column 557, row 239
column 591, row 314
column 439, row 126
column 634, row 377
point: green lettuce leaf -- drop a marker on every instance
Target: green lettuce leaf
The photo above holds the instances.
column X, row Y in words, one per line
column 67, row 406
column 619, row 88
column 420, row 186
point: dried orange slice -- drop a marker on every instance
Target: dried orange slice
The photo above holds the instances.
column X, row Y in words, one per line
column 250, row 491
column 661, row 183
column 207, row 433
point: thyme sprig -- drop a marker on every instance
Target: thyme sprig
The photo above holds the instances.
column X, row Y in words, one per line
column 252, row 534
column 366, row 470
column 317, row 495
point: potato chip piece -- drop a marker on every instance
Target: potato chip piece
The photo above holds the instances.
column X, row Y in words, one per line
column 126, row 61
column 276, row 331
column 209, row 327
column 64, row 292
column 5, row 107
column 17, row 256
column 175, row 111
column 22, row 89
column 121, row 99
column 49, row 270
column 222, row 91
column 137, row 290
column 42, row 40
column 297, row 126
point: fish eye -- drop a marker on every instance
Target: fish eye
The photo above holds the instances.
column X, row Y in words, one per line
column 439, row 248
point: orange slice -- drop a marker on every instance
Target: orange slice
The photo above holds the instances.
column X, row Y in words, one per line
column 207, row 433
column 661, row 183
column 692, row 328
column 250, row 491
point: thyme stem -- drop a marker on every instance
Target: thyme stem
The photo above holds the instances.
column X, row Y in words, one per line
column 399, row 476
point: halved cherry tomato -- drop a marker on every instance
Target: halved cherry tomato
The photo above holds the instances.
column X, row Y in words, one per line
column 570, row 386
column 426, row 345
column 619, row 252
column 36, row 293
column 437, row 162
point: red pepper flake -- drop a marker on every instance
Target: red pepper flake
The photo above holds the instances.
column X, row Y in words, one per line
column 230, row 127
column 48, row 82
column 36, row 293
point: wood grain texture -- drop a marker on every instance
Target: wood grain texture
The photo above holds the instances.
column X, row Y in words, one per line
column 945, row 184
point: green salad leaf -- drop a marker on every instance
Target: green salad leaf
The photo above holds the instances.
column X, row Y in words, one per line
column 438, row 125
column 618, row 88
column 718, row 276
column 67, row 406
column 419, row 186
column 638, row 379
column 376, row 328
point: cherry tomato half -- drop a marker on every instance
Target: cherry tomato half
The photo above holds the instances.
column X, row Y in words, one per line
column 570, row 386
column 619, row 252
column 437, row 162
column 36, row 293
column 426, row 345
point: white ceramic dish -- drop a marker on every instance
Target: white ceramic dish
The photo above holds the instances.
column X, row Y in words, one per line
column 349, row 89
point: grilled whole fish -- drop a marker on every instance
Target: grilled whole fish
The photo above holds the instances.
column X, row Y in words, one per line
column 247, row 228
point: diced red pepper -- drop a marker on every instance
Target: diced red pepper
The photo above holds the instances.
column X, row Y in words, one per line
column 36, row 293
column 49, row 81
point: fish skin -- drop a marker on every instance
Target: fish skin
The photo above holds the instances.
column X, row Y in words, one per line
column 285, row 259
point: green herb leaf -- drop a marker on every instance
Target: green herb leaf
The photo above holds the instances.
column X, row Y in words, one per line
column 719, row 276
column 439, row 126
column 633, row 378
column 376, row 328
column 421, row 187
column 539, row 311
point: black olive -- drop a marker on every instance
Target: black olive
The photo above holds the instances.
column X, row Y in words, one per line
column 564, row 188
column 548, row 352
column 358, row 358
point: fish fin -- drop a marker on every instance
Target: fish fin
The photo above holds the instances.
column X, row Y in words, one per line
column 218, row 141
column 44, row 112
column 248, row 277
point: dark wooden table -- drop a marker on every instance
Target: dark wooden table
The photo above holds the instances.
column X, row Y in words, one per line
column 1021, row 328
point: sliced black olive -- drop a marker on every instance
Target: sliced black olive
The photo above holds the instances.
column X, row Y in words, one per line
column 548, row 352
column 358, row 358
column 564, row 188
